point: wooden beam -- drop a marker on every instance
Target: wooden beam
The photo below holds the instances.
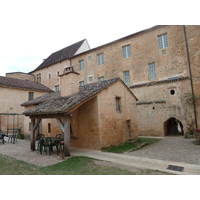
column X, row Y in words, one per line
column 65, row 126
column 33, row 129
column 32, row 135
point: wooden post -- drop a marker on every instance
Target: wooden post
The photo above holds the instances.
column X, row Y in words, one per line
column 32, row 135
column 65, row 126
column 33, row 129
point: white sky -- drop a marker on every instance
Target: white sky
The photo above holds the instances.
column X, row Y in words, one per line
column 31, row 30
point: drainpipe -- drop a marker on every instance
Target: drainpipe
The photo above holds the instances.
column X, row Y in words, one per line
column 190, row 72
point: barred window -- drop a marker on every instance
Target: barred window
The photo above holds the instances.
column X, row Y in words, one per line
column 126, row 77
column 152, row 71
column 163, row 41
column 81, row 65
column 100, row 59
column 126, row 51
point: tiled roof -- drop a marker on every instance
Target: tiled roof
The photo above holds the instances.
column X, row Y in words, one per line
column 41, row 99
column 62, row 105
column 22, row 84
column 169, row 80
column 60, row 55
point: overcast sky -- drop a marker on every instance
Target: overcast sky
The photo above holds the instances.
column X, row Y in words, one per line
column 31, row 30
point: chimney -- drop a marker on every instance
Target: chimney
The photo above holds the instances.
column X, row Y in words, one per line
column 69, row 83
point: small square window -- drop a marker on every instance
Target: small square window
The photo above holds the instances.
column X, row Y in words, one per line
column 57, row 88
column 90, row 79
column 101, row 78
column 89, row 57
column 81, row 83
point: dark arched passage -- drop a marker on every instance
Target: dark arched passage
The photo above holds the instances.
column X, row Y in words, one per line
column 173, row 127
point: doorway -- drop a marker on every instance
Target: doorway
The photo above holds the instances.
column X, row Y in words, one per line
column 173, row 127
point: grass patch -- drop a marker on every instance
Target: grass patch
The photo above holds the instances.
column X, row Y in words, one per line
column 131, row 145
column 73, row 166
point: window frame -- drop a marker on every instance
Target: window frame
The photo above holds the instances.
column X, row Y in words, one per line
column 118, row 106
column 126, row 51
column 81, row 83
column 101, row 78
column 125, row 77
column 152, row 71
column 163, row 41
column 30, row 96
column 81, row 65
column 100, row 59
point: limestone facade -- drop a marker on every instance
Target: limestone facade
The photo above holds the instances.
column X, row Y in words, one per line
column 160, row 65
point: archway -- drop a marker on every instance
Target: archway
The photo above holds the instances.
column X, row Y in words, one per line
column 173, row 127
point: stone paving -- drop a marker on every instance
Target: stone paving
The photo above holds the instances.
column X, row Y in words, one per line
column 168, row 151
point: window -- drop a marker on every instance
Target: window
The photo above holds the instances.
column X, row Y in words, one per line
column 58, row 73
column 81, row 65
column 152, row 71
column 81, row 83
column 49, row 127
column 101, row 78
column 118, row 104
column 49, row 76
column 163, row 41
column 126, row 51
column 38, row 77
column 126, row 77
column 90, row 78
column 30, row 96
column 100, row 58
column 57, row 88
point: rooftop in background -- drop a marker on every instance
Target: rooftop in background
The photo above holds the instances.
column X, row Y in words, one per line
column 22, row 84
column 64, row 54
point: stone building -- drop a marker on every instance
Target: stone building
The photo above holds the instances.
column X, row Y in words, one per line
column 160, row 65
column 13, row 92
column 92, row 116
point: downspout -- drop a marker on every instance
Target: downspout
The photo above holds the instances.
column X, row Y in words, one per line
column 190, row 72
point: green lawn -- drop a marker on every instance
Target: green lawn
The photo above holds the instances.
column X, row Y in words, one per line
column 131, row 146
column 72, row 166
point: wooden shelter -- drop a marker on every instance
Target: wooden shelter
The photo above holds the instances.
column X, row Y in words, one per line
column 88, row 98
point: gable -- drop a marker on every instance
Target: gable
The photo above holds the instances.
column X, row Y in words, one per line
column 64, row 54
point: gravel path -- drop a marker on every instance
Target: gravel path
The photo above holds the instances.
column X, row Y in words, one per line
column 175, row 149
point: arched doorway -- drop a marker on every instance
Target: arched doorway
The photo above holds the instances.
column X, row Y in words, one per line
column 173, row 127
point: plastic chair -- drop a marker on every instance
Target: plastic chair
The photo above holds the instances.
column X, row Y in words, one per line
column 40, row 145
column 13, row 138
column 39, row 136
column 48, row 144
column 61, row 142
